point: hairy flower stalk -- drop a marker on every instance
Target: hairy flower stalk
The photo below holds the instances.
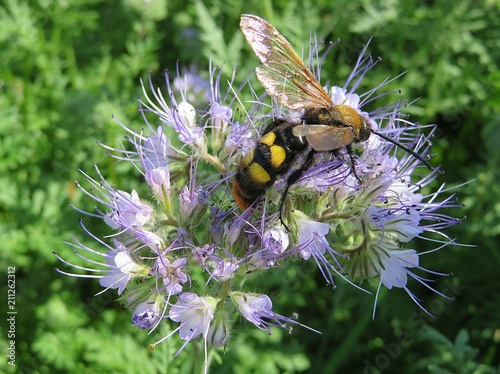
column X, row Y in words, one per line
column 188, row 227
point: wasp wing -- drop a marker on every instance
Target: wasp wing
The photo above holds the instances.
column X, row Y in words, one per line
column 324, row 138
column 284, row 75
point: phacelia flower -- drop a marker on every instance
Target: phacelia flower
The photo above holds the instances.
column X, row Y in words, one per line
column 147, row 314
column 257, row 309
column 194, row 313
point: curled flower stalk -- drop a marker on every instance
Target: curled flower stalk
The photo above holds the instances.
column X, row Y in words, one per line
column 358, row 226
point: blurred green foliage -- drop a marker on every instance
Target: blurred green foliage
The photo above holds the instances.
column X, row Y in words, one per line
column 67, row 67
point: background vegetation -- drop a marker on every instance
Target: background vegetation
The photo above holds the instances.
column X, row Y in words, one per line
column 66, row 67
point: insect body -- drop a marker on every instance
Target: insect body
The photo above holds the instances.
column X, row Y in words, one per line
column 325, row 127
column 273, row 155
column 282, row 142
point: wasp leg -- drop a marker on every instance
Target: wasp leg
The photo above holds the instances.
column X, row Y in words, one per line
column 350, row 152
column 294, row 177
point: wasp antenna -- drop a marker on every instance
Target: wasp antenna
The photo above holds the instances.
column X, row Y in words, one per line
column 410, row 151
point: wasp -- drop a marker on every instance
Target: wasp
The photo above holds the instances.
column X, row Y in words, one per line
column 324, row 126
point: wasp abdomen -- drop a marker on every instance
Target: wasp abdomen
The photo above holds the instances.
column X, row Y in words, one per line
column 272, row 156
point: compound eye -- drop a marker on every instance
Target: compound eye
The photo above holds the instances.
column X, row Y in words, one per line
column 364, row 133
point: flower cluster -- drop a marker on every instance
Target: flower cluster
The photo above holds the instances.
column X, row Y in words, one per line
column 188, row 228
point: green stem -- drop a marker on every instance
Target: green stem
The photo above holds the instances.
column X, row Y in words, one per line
column 169, row 221
column 224, row 291
column 335, row 215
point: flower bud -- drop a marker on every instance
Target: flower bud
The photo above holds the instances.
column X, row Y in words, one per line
column 218, row 333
